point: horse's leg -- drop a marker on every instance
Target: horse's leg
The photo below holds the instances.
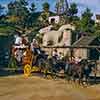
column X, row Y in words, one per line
column 52, row 72
column 66, row 73
column 55, row 75
column 81, row 79
column 87, row 79
column 45, row 73
column 95, row 77
column 67, row 76
column 73, row 77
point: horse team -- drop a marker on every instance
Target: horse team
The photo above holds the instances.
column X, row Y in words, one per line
column 74, row 69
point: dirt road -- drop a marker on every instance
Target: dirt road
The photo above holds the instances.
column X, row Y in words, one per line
column 36, row 88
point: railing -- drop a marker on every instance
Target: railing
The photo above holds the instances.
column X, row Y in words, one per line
column 88, row 47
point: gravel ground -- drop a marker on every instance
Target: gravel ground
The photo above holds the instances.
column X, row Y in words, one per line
column 35, row 88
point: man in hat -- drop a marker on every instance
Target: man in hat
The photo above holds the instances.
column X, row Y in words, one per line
column 35, row 47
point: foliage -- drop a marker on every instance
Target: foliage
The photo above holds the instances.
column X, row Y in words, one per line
column 32, row 8
column 44, row 15
column 86, row 24
column 46, row 7
column 97, row 30
column 18, row 12
column 73, row 10
column 28, row 20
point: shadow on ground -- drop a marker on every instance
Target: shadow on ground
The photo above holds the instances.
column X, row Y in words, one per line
column 4, row 72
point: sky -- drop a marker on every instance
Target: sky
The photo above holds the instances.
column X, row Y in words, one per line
column 94, row 5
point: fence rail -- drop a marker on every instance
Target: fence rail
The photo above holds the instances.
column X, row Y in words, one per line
column 88, row 47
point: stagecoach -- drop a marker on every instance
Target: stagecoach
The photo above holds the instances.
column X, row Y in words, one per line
column 23, row 57
column 31, row 62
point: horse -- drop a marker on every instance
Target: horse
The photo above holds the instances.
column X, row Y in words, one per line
column 92, row 69
column 82, row 70
column 40, row 59
column 55, row 66
column 75, row 71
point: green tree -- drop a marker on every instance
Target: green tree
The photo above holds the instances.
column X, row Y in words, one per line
column 33, row 17
column 18, row 13
column 11, row 8
column 45, row 14
column 46, row 7
column 86, row 22
column 73, row 10
column 32, row 8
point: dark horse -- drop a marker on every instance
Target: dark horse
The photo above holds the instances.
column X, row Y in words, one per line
column 81, row 71
column 74, row 71
column 40, row 59
column 54, row 66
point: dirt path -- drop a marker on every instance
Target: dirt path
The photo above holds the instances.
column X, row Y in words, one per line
column 35, row 88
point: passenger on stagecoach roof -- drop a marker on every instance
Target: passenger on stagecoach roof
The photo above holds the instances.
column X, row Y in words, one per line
column 77, row 60
column 21, row 41
column 25, row 40
column 55, row 53
column 60, row 56
column 72, row 60
column 35, row 46
column 18, row 39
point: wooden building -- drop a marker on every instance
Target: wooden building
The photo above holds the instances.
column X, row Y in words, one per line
column 87, row 47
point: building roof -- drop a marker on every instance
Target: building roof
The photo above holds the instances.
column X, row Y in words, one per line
column 98, row 17
column 84, row 41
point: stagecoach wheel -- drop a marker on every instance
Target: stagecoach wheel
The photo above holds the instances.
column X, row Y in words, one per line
column 27, row 70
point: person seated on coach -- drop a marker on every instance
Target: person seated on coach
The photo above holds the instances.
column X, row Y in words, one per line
column 60, row 56
column 55, row 54
column 18, row 39
column 35, row 47
column 25, row 40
